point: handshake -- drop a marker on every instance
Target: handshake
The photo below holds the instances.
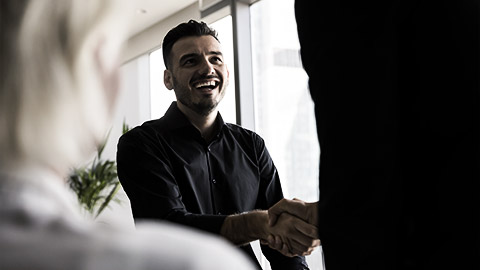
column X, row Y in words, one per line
column 292, row 227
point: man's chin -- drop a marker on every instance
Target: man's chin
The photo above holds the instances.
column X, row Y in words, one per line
column 204, row 108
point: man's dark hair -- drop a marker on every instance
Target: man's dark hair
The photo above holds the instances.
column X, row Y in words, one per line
column 189, row 29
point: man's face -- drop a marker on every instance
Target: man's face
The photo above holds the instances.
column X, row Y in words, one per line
column 198, row 73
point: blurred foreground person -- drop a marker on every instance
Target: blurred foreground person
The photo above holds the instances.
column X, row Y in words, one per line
column 58, row 80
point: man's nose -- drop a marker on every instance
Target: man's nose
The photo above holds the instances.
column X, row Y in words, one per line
column 206, row 68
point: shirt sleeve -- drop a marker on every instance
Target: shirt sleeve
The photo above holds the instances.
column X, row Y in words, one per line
column 146, row 175
column 270, row 193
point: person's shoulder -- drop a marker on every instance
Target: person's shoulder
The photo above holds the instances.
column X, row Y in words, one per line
column 154, row 126
column 149, row 246
column 182, row 248
column 149, row 129
column 241, row 132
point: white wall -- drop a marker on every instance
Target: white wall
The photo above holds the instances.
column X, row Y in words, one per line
column 133, row 104
column 152, row 37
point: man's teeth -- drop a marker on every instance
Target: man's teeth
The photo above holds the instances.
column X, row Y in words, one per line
column 206, row 84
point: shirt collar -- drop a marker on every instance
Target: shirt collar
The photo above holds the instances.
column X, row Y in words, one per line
column 175, row 118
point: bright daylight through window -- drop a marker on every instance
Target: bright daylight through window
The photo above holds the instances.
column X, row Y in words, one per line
column 283, row 107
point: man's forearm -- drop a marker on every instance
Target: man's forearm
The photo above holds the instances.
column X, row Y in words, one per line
column 244, row 228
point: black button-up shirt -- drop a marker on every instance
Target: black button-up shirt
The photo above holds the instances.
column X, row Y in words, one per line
column 170, row 172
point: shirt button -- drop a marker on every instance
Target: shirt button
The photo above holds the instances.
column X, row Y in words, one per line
column 219, row 213
column 214, row 181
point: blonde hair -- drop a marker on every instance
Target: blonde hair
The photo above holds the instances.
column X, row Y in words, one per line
column 53, row 101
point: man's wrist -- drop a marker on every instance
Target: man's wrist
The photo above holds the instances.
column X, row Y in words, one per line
column 246, row 227
column 256, row 223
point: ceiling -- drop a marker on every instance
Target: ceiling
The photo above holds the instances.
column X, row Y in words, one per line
column 148, row 12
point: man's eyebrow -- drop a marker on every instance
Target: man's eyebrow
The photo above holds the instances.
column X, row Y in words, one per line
column 196, row 54
column 188, row 55
column 216, row 53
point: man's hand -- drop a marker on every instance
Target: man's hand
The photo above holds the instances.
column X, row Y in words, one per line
column 295, row 236
column 300, row 209
column 303, row 210
column 292, row 236
column 289, row 227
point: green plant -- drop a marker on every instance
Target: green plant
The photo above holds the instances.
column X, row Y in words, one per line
column 97, row 183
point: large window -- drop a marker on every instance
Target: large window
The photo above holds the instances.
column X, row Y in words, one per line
column 283, row 107
column 284, row 113
column 161, row 97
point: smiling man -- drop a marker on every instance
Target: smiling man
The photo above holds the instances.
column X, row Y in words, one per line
column 191, row 168
column 198, row 88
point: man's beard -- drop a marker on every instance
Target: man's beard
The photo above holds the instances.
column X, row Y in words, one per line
column 203, row 108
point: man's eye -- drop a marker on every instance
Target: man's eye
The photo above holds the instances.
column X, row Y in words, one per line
column 217, row 59
column 189, row 62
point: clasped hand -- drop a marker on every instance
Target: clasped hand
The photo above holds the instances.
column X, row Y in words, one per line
column 293, row 228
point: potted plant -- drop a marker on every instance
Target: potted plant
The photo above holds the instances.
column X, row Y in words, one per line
column 97, row 183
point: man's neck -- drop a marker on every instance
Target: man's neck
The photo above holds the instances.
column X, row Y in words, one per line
column 205, row 124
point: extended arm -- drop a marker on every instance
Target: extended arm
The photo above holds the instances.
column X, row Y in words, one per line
column 298, row 235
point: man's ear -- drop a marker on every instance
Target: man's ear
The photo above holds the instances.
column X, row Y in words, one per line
column 228, row 76
column 168, row 79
